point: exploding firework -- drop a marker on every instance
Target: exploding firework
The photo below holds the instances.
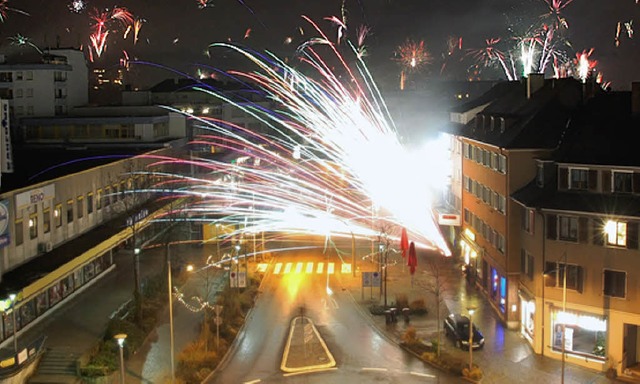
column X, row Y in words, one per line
column 584, row 65
column 100, row 29
column 555, row 12
column 5, row 9
column 412, row 56
column 316, row 166
column 77, row 6
column 20, row 40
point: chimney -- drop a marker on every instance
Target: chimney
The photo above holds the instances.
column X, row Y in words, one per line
column 635, row 97
column 535, row 81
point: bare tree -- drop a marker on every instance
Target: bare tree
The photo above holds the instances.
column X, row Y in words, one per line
column 435, row 284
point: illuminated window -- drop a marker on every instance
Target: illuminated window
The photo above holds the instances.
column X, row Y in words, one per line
column 616, row 233
column 57, row 215
column 33, row 226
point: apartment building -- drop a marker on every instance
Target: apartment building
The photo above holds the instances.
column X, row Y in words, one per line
column 579, row 282
column 47, row 84
column 499, row 137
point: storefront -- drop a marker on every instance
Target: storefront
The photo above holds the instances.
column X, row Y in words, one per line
column 469, row 252
column 585, row 334
column 527, row 315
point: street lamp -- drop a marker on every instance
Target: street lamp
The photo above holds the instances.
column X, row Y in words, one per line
column 170, row 292
column 237, row 267
column 471, row 312
column 120, row 337
column 564, row 309
column 12, row 297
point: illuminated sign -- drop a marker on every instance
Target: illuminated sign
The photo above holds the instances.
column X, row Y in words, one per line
column 449, row 219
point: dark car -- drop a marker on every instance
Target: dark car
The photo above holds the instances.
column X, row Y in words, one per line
column 456, row 327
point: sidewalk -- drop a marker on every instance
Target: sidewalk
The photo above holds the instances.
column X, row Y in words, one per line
column 508, row 360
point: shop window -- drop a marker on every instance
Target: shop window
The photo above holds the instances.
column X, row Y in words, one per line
column 615, row 283
column 503, row 293
column 27, row 312
column 584, row 333
column 42, row 303
column 54, row 294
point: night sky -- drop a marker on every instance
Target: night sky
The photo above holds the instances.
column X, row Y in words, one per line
column 176, row 33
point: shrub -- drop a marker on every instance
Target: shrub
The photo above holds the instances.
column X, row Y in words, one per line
column 410, row 335
column 376, row 309
column 418, row 307
column 475, row 373
column 195, row 362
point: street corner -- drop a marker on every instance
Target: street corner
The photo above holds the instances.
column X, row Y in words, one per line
column 305, row 350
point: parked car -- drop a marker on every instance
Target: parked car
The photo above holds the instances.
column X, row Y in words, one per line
column 456, row 327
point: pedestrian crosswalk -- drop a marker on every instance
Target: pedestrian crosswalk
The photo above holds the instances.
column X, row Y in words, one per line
column 305, row 267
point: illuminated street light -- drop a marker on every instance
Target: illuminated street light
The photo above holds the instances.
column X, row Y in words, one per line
column 12, row 297
column 120, row 337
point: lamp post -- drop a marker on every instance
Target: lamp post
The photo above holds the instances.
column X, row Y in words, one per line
column 237, row 268
column 120, row 337
column 12, row 297
column 471, row 312
column 564, row 311
column 170, row 292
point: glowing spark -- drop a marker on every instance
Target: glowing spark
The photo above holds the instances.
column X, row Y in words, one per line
column 20, row 40
column 77, row 6
column 336, row 127
column 247, row 33
column 584, row 65
column 412, row 55
column 4, row 9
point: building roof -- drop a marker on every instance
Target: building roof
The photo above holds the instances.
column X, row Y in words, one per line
column 603, row 132
column 538, row 121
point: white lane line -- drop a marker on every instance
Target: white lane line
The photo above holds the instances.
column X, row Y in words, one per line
column 421, row 374
column 374, row 369
column 252, row 381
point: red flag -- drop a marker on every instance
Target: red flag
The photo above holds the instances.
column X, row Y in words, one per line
column 412, row 261
column 404, row 243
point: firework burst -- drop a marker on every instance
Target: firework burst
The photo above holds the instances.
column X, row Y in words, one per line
column 316, row 165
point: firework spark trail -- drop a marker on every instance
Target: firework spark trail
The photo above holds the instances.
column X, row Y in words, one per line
column 351, row 157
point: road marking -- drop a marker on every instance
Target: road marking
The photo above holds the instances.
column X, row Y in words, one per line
column 287, row 268
column 320, row 268
column 309, row 267
column 277, row 268
column 331, row 268
column 421, row 374
column 299, row 267
column 374, row 369
column 309, row 371
column 252, row 381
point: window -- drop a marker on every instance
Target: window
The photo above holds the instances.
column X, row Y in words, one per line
column 99, row 199
column 502, row 204
column 19, row 93
column 80, row 202
column 33, row 226
column 57, row 215
column 46, row 220
column 89, row 203
column 616, row 233
column 568, row 228
column 19, row 75
column 107, row 196
column 615, row 283
column 69, row 211
column 29, row 92
column 579, row 178
column 29, row 75
column 502, row 164
column 622, row 182
column 554, row 275
column 526, row 264
column 19, row 235
column 528, row 216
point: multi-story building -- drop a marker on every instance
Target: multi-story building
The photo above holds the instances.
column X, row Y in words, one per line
column 44, row 84
column 579, row 238
column 499, row 137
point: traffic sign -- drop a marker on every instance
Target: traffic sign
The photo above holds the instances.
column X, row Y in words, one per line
column 370, row 279
column 376, row 280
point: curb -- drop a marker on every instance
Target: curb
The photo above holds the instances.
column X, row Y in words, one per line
column 285, row 355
